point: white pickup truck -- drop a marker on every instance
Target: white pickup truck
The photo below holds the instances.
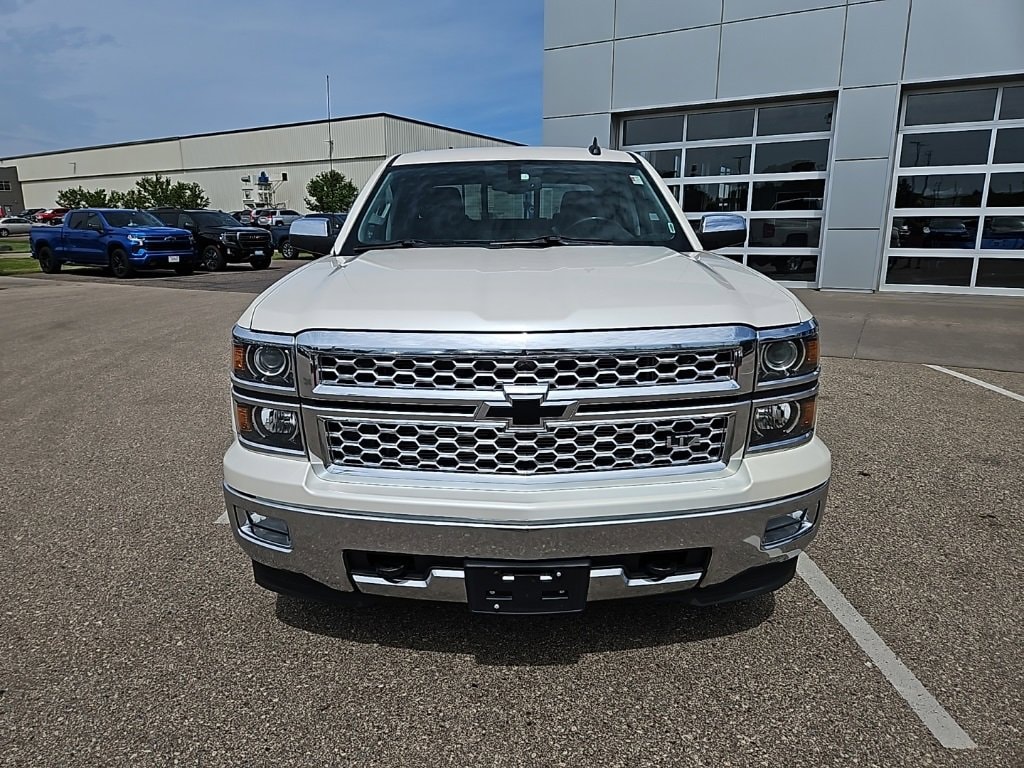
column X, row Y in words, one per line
column 519, row 383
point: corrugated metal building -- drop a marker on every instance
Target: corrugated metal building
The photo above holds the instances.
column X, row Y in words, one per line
column 871, row 144
column 219, row 161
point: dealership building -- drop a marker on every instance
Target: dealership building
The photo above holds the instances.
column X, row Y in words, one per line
column 871, row 145
column 237, row 169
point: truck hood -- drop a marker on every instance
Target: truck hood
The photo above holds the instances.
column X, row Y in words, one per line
column 157, row 231
column 564, row 288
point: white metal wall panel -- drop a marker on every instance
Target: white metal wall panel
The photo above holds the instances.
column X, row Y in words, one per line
column 126, row 158
column 404, row 136
column 218, row 162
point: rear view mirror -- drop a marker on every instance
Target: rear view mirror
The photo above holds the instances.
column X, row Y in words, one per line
column 722, row 230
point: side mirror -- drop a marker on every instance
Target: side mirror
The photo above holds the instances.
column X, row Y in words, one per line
column 721, row 230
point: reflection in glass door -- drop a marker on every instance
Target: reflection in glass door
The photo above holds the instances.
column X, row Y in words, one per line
column 957, row 211
column 765, row 163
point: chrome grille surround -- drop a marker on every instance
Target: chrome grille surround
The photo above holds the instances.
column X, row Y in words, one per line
column 599, row 431
column 491, row 372
column 558, row 448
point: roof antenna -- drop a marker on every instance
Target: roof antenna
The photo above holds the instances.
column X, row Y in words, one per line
column 594, row 148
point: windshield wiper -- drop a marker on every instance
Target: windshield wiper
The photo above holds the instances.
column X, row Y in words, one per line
column 546, row 241
column 407, row 243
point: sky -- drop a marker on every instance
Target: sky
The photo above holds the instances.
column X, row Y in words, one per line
column 75, row 74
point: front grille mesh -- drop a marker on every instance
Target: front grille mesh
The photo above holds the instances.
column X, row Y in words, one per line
column 491, row 372
column 253, row 238
column 566, row 448
column 159, row 246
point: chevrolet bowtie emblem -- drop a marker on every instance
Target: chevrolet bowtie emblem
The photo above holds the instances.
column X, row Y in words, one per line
column 526, row 408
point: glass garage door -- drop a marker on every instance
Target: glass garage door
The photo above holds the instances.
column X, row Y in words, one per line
column 765, row 163
column 957, row 209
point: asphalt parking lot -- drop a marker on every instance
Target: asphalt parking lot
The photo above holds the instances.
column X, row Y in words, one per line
column 132, row 633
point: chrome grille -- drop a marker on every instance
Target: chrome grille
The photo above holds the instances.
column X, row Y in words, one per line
column 490, row 372
column 482, row 448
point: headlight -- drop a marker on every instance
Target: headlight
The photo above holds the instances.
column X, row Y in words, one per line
column 781, row 424
column 785, row 358
column 263, row 359
column 269, row 426
column 135, row 240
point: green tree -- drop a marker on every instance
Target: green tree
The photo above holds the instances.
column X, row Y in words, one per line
column 79, row 197
column 330, row 192
column 149, row 192
column 158, row 191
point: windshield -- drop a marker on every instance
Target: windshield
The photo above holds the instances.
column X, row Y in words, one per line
column 132, row 219
column 507, row 203
column 214, row 219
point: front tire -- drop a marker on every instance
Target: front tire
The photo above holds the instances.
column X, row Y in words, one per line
column 120, row 265
column 47, row 261
column 287, row 252
column 260, row 262
column 212, row 259
column 5, row 232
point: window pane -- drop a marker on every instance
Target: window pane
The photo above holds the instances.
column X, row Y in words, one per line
column 1001, row 273
column 1009, row 146
column 798, row 118
column 941, row 191
column 953, row 148
column 653, row 130
column 718, row 161
column 1013, row 104
column 924, row 232
column 1006, row 190
column 785, row 233
column 665, row 162
column 806, row 195
column 913, row 270
column 715, row 197
column 1003, row 232
column 792, row 156
column 950, row 107
column 732, row 123
column 785, row 267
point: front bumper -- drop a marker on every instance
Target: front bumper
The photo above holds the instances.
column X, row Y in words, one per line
column 735, row 535
column 162, row 259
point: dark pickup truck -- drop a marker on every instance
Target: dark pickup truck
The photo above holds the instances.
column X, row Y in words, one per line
column 314, row 233
column 120, row 239
column 220, row 239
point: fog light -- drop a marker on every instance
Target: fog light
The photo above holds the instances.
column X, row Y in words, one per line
column 272, row 530
column 784, row 528
column 271, row 421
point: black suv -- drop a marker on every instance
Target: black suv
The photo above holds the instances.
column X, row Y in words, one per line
column 220, row 240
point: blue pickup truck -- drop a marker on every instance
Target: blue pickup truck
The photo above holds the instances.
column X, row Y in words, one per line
column 120, row 239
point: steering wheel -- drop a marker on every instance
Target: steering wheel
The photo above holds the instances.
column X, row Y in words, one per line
column 598, row 223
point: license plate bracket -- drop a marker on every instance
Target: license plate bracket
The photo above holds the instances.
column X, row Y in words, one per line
column 503, row 587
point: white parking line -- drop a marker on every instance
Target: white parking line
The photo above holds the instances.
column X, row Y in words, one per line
column 223, row 519
column 979, row 382
column 935, row 718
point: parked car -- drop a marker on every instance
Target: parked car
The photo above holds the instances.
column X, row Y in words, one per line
column 30, row 213
column 220, row 240
column 273, row 217
column 121, row 239
column 14, row 225
column 314, row 234
column 51, row 216
column 525, row 413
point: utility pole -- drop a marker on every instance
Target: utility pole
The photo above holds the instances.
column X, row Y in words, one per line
column 330, row 138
